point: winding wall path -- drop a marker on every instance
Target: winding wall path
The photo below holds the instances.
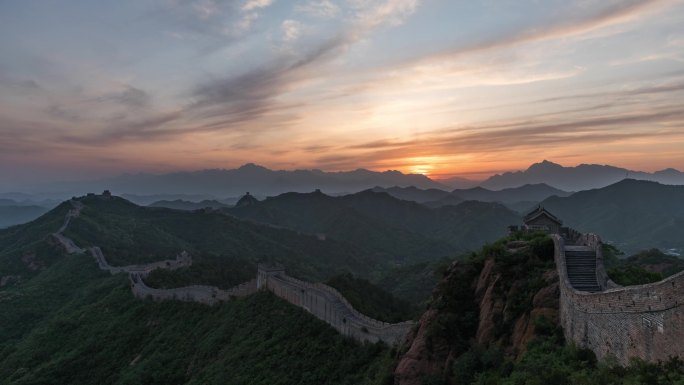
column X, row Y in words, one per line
column 645, row 321
column 322, row 301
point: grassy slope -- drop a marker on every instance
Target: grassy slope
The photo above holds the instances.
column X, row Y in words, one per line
column 74, row 324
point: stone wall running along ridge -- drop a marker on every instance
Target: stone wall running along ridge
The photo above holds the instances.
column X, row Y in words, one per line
column 329, row 305
column 645, row 321
column 209, row 295
column 322, row 301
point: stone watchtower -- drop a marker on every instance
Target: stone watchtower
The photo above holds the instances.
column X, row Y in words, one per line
column 541, row 219
column 266, row 270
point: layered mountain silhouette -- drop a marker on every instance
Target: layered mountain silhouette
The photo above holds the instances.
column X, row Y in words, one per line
column 17, row 214
column 13, row 212
column 582, row 177
column 402, row 230
column 180, row 204
column 633, row 214
column 226, row 184
column 519, row 198
column 250, row 177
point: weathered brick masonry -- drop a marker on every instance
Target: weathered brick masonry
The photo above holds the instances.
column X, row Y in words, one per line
column 329, row 305
column 645, row 321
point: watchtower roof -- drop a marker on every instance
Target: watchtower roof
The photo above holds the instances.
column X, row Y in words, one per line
column 540, row 211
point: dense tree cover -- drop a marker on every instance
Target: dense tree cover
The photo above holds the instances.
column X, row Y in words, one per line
column 372, row 300
column 128, row 234
column 647, row 266
column 31, row 242
column 401, row 231
column 75, row 324
column 548, row 360
column 414, row 283
column 629, row 275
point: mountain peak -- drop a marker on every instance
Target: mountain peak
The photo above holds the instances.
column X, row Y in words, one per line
column 246, row 200
column 544, row 165
column 251, row 166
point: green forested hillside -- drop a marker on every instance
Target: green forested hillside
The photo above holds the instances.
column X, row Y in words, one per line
column 128, row 234
column 26, row 248
column 372, row 300
column 386, row 224
column 73, row 324
column 644, row 267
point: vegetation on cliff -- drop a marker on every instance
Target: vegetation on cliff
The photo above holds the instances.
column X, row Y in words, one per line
column 493, row 319
column 647, row 266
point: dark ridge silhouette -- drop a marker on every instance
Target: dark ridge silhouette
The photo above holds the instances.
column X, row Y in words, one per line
column 582, row 177
column 633, row 214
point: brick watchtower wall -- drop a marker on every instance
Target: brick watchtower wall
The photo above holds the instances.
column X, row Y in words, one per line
column 645, row 321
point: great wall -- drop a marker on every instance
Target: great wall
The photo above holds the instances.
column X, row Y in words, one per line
column 322, row 301
column 643, row 321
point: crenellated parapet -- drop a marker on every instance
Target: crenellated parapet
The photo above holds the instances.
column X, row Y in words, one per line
column 209, row 295
column 645, row 321
column 328, row 305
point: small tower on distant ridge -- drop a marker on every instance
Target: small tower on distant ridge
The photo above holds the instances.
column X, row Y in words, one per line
column 246, row 200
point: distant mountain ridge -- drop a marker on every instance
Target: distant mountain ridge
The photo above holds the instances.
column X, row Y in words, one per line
column 222, row 184
column 581, row 177
column 633, row 214
column 404, row 230
column 514, row 198
column 180, row 204
column 250, row 177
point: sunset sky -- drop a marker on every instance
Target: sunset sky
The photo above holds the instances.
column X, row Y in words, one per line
column 441, row 87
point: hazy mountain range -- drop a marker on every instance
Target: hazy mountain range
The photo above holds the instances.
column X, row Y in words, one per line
column 179, row 204
column 249, row 178
column 260, row 181
column 518, row 198
column 633, row 214
column 400, row 229
column 582, row 177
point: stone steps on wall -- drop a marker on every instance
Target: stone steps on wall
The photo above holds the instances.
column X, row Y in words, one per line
column 580, row 263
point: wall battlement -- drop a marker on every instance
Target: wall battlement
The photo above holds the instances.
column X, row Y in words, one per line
column 329, row 305
column 645, row 321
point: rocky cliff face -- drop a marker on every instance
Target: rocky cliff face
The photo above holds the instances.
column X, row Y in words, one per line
column 497, row 299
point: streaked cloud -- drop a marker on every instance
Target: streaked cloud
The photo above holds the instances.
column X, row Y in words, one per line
column 440, row 87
